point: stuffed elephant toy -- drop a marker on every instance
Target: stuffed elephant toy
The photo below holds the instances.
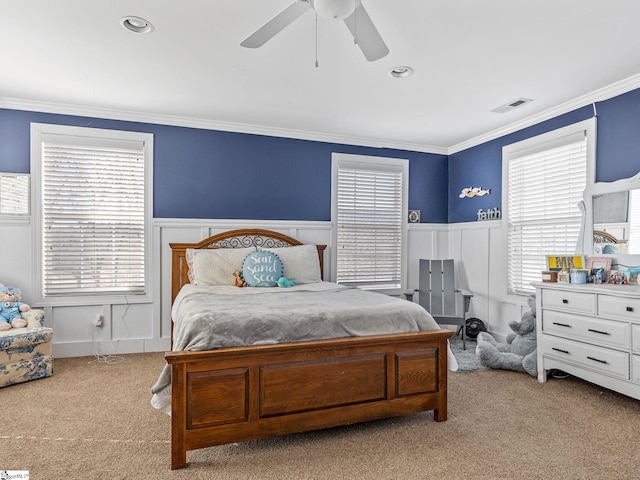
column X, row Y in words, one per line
column 519, row 353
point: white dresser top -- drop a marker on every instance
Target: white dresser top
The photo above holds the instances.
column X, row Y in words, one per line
column 601, row 288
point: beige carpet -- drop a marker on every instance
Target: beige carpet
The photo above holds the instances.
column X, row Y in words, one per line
column 94, row 421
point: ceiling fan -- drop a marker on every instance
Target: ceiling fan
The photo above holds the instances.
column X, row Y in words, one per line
column 352, row 12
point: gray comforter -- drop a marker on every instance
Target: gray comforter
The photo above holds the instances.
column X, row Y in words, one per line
column 212, row 317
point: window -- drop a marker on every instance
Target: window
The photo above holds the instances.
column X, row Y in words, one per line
column 14, row 194
column 369, row 211
column 544, row 179
column 92, row 212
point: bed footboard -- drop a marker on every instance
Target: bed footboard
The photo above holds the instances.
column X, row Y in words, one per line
column 244, row 393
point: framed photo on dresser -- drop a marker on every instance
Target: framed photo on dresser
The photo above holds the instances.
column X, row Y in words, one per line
column 562, row 262
column 597, row 263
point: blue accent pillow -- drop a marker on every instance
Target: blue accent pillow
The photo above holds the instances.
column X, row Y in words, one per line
column 262, row 269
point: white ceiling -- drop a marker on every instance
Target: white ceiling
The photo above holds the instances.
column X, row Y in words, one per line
column 469, row 56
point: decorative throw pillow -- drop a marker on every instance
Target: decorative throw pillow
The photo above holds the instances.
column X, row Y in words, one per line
column 215, row 266
column 262, row 269
column 299, row 262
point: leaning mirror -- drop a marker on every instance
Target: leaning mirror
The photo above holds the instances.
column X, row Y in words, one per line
column 613, row 217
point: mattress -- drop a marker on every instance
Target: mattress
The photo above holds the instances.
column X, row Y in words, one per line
column 210, row 317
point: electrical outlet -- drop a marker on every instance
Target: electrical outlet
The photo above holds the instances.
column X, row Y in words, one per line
column 98, row 321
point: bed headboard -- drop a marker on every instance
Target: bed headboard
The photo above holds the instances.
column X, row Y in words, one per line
column 245, row 237
column 603, row 237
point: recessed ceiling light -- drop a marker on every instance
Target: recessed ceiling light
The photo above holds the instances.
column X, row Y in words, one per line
column 136, row 24
column 401, row 72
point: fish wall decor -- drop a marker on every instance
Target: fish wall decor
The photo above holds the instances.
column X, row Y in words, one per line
column 470, row 192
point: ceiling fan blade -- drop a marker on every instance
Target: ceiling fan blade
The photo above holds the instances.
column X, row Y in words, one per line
column 276, row 24
column 366, row 34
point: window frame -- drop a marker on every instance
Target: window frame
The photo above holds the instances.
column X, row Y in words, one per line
column 343, row 160
column 540, row 143
column 38, row 132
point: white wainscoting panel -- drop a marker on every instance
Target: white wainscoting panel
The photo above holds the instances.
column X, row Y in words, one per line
column 425, row 240
column 144, row 327
column 479, row 253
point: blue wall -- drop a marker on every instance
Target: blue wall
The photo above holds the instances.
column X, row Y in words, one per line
column 618, row 137
column 202, row 173
column 617, row 153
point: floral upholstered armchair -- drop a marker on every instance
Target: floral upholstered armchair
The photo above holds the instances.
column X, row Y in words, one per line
column 25, row 353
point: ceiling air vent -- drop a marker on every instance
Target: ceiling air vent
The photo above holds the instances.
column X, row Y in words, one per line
column 511, row 105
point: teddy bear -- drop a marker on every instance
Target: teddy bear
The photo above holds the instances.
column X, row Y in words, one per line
column 238, row 279
column 519, row 353
column 11, row 308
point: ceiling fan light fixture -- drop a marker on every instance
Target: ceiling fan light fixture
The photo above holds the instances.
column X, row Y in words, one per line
column 401, row 72
column 136, row 24
column 334, row 9
column 352, row 13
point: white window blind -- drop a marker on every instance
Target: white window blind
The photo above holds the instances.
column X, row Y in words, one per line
column 370, row 226
column 544, row 189
column 93, row 216
column 14, row 194
column 634, row 221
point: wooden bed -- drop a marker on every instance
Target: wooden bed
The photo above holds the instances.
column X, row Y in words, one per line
column 243, row 393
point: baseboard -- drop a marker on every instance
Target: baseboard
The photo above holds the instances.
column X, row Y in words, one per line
column 115, row 347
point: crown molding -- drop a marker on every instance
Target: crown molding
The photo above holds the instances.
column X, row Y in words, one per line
column 610, row 91
column 191, row 122
column 615, row 89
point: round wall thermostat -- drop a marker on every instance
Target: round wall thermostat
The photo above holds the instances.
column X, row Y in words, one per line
column 414, row 216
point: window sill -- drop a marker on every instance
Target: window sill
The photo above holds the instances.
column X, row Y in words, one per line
column 73, row 301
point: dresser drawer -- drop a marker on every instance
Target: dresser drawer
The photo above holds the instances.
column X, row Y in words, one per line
column 600, row 359
column 635, row 338
column 574, row 301
column 596, row 330
column 619, row 307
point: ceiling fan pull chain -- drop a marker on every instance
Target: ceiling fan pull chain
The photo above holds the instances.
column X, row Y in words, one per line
column 316, row 40
column 355, row 22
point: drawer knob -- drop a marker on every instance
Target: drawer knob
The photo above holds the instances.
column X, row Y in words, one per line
column 629, row 309
column 564, row 300
column 597, row 360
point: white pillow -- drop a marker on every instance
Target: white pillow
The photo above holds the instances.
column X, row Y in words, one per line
column 215, row 266
column 299, row 263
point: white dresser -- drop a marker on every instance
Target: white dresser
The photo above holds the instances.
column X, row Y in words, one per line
column 592, row 332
